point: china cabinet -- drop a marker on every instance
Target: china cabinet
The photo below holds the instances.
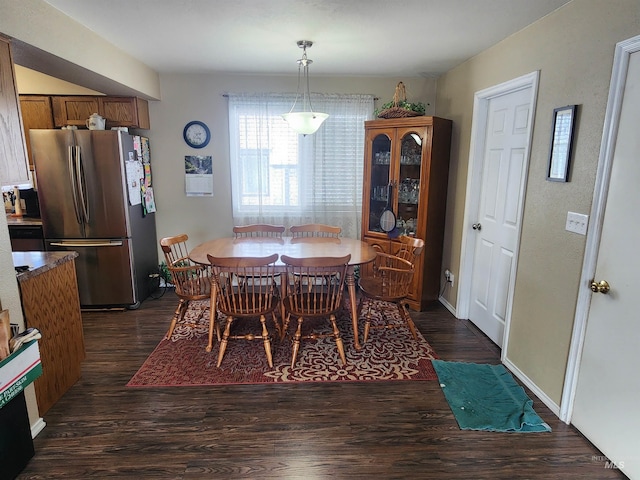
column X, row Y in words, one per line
column 407, row 167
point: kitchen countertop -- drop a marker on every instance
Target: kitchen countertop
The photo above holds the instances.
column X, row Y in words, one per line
column 40, row 262
column 26, row 221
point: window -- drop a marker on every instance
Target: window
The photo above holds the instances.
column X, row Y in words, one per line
column 284, row 178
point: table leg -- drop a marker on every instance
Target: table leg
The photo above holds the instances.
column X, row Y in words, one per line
column 351, row 286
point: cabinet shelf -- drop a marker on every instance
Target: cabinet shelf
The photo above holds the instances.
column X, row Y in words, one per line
column 411, row 155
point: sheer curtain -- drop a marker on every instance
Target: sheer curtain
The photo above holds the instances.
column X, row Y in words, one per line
column 283, row 178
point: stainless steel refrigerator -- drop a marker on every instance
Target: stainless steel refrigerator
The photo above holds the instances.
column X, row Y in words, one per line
column 85, row 207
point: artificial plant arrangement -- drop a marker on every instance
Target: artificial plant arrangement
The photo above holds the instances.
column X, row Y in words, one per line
column 399, row 107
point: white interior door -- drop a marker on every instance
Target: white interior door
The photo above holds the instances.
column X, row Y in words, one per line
column 497, row 224
column 605, row 407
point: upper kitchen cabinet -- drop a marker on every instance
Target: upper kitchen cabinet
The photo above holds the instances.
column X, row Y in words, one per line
column 406, row 168
column 14, row 168
column 118, row 111
column 73, row 110
column 125, row 112
column 36, row 113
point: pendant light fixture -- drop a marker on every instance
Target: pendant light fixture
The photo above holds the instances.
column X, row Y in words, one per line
column 306, row 121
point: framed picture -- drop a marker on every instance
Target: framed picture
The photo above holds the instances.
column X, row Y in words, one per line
column 564, row 119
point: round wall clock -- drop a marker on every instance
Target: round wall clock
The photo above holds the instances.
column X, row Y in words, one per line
column 196, row 134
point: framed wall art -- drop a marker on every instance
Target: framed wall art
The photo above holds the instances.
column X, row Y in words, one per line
column 564, row 120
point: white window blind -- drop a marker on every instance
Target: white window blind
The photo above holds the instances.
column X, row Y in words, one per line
column 284, row 178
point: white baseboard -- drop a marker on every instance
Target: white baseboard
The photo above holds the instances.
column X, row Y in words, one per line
column 533, row 387
column 37, row 427
column 448, row 306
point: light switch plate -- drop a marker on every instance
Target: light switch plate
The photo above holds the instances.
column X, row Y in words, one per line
column 577, row 223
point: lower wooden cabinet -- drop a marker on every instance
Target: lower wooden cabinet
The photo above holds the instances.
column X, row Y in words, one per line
column 50, row 303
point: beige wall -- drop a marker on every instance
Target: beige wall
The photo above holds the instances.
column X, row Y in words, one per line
column 66, row 48
column 573, row 50
column 37, row 83
column 200, row 97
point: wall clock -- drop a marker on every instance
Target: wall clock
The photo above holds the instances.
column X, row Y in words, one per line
column 196, row 134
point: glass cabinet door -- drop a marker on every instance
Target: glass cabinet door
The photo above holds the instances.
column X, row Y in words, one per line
column 409, row 183
column 379, row 181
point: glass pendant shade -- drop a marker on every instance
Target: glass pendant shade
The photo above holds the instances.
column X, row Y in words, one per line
column 307, row 121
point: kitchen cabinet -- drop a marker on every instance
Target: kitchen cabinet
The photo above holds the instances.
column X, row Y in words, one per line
column 14, row 169
column 407, row 167
column 73, row 110
column 36, row 113
column 50, row 303
column 124, row 112
column 118, row 111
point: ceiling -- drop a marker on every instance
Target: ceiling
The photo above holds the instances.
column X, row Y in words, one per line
column 351, row 37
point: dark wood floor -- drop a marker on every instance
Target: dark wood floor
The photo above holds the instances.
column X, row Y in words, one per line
column 101, row 428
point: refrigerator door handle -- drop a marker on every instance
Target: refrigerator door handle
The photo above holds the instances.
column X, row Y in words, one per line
column 81, row 185
column 88, row 243
column 72, row 179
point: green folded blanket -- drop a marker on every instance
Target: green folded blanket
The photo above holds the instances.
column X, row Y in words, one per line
column 486, row 397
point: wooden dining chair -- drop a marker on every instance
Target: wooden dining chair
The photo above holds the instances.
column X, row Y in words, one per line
column 192, row 281
column 322, row 299
column 247, row 299
column 315, row 230
column 410, row 248
column 258, row 230
column 389, row 282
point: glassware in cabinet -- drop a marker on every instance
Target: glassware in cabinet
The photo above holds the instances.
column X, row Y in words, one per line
column 409, row 182
column 379, row 178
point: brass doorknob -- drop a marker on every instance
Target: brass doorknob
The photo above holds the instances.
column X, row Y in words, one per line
column 601, row 287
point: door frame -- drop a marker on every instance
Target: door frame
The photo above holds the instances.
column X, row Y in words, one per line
column 622, row 54
column 479, row 129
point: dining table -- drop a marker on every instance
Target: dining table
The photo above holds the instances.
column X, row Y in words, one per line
column 297, row 247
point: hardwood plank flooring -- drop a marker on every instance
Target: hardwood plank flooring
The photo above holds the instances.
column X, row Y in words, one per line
column 102, row 429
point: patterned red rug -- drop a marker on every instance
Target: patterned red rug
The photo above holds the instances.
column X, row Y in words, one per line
column 389, row 354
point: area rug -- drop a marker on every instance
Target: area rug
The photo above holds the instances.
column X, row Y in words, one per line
column 487, row 397
column 389, row 354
